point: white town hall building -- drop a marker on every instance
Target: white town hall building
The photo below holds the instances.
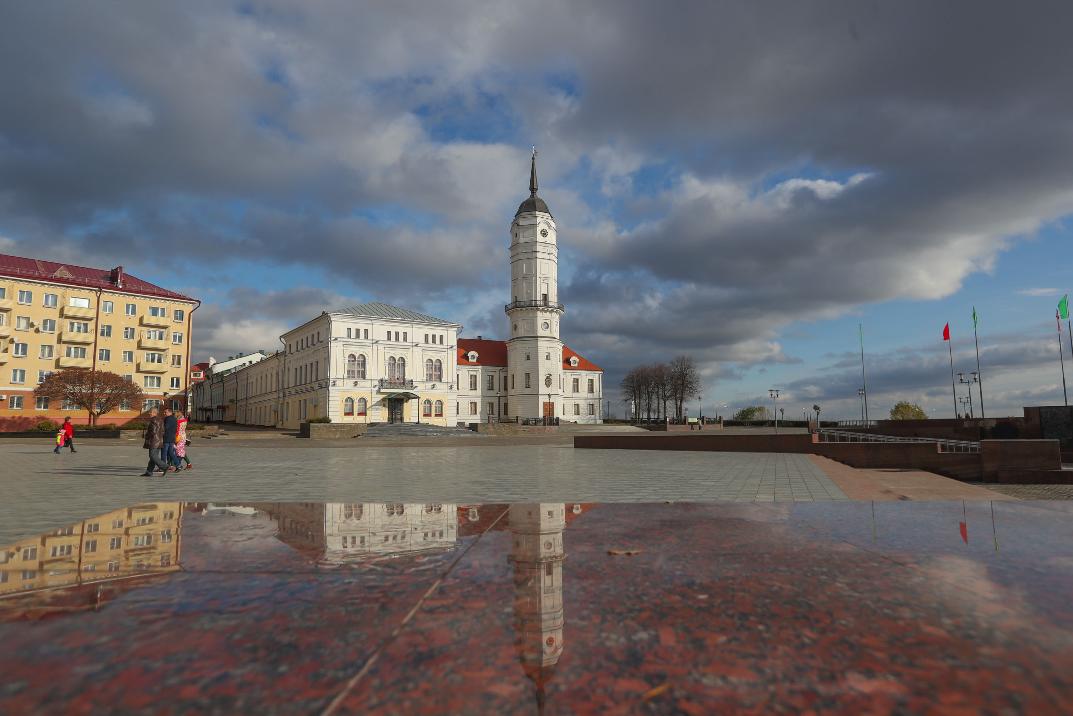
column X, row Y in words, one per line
column 377, row 363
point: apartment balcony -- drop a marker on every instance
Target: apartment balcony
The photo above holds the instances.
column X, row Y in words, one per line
column 74, row 337
column 3, row 357
column 6, row 304
column 69, row 362
column 156, row 321
column 145, row 367
column 153, row 344
column 5, row 331
column 79, row 312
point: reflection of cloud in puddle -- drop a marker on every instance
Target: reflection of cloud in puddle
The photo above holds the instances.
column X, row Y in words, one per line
column 966, row 585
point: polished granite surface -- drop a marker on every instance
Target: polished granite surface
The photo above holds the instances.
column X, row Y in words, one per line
column 892, row 607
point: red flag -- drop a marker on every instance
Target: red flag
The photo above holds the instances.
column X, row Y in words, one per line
column 946, row 332
column 964, row 528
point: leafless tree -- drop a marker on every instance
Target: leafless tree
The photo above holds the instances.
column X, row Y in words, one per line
column 685, row 383
column 95, row 391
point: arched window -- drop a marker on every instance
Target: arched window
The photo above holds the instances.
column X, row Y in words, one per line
column 437, row 372
column 400, row 369
column 362, row 406
column 359, row 367
column 439, row 408
column 395, row 510
column 353, row 511
column 391, row 368
column 348, row 406
column 430, row 374
column 351, row 366
column 426, row 408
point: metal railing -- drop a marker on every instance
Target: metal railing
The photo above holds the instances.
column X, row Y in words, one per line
column 539, row 303
column 857, row 423
column 826, row 435
column 395, row 383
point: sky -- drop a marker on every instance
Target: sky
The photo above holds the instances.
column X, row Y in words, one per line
column 741, row 182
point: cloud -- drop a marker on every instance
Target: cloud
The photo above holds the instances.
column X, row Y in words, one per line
column 719, row 171
column 1040, row 292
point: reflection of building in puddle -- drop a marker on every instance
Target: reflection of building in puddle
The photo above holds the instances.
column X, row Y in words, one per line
column 129, row 542
column 537, row 555
column 337, row 532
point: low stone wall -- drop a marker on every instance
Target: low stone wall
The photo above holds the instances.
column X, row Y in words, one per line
column 331, row 431
column 513, row 429
column 697, row 440
column 51, row 434
column 1004, row 460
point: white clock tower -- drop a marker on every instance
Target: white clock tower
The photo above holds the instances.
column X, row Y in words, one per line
column 534, row 351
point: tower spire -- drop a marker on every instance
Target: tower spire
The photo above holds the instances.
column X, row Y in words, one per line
column 532, row 175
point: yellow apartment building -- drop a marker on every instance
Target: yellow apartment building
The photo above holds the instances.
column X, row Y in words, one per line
column 128, row 542
column 55, row 316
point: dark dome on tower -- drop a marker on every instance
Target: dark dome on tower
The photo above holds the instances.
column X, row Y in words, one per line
column 534, row 202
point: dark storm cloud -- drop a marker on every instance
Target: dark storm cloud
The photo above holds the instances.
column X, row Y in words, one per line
column 822, row 154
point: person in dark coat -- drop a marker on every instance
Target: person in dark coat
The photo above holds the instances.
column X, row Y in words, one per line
column 171, row 428
column 154, row 443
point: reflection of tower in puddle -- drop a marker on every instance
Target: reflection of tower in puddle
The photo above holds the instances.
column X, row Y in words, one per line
column 537, row 555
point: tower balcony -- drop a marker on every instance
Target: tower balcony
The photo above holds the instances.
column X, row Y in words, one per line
column 537, row 303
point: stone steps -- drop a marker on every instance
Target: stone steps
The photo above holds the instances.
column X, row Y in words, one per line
column 395, row 430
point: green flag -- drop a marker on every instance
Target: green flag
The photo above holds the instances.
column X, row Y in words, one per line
column 1063, row 307
column 974, row 316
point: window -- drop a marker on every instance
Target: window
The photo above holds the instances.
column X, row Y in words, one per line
column 152, row 381
column 362, row 407
column 61, row 550
column 3, row 292
column 132, row 309
column 107, row 307
column 106, row 331
column 176, row 361
column 26, row 297
column 143, row 540
column 366, row 338
column 75, row 351
column 14, row 402
column 179, row 315
column 592, row 409
column 22, row 323
column 156, row 334
column 153, row 357
column 165, row 535
column 175, row 383
column 439, row 408
column 150, row 403
column 90, row 546
column 491, row 408
column 426, row 338
column 128, row 333
column 48, row 352
column 93, row 527
column 78, row 326
column 115, row 542
column 491, row 382
column 395, row 510
column 527, row 385
column 28, row 574
column 177, row 338
column 41, row 403
column 348, row 406
column 76, row 302
column 18, row 375
column 426, row 408
column 128, row 356
column 104, row 355
column 48, row 325
column 21, row 350
column 158, row 312
column 391, row 368
column 505, row 411
column 473, row 408
column 42, row 375
column 116, row 525
column 574, row 384
column 355, row 366
column 429, row 370
column 396, row 336
column 577, row 409
column 473, row 381
column 29, row 553
column 400, row 369
column 437, row 370
column 68, row 404
column 592, row 385
column 512, row 380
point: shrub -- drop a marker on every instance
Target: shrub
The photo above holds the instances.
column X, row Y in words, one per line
column 133, row 425
column 325, row 419
column 47, row 426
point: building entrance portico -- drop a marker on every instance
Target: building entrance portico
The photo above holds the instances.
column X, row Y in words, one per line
column 394, row 409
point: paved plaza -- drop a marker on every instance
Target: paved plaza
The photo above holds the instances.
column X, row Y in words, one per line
column 42, row 489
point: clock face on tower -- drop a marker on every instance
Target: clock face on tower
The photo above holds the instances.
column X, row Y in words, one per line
column 544, row 233
column 545, row 325
column 547, row 381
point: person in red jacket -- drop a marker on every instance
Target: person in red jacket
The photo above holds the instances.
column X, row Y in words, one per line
column 68, row 436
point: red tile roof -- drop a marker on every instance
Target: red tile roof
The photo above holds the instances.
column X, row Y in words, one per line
column 488, row 352
column 494, row 353
column 71, row 275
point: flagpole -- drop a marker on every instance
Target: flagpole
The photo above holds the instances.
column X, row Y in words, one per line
column 979, row 374
column 864, row 382
column 1061, row 358
column 953, row 390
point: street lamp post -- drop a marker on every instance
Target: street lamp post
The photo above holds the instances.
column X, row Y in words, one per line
column 860, row 395
column 964, row 401
column 499, row 408
column 774, row 393
column 700, row 410
column 975, row 379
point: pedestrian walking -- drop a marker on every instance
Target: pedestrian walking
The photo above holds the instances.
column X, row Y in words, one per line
column 68, row 430
column 180, row 444
column 171, row 427
column 154, row 442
